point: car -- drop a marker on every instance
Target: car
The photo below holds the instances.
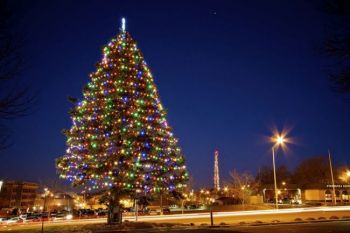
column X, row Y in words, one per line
column 59, row 216
column 166, row 211
column 90, row 212
column 153, row 212
column 53, row 214
column 127, row 211
column 273, row 201
column 295, row 201
column 33, row 218
column 2, row 220
column 286, row 200
column 143, row 212
column 44, row 216
column 192, row 207
column 86, row 213
column 23, row 216
column 13, row 220
column 103, row 212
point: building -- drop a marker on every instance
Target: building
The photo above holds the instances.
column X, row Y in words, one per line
column 310, row 194
column 18, row 194
column 325, row 194
column 54, row 202
column 286, row 193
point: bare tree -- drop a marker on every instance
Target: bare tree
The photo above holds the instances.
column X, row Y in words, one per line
column 264, row 175
column 337, row 44
column 242, row 185
column 15, row 101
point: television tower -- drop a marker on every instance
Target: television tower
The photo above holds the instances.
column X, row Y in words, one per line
column 216, row 171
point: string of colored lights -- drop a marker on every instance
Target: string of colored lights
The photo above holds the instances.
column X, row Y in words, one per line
column 120, row 136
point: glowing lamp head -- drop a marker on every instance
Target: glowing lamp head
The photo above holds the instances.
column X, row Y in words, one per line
column 280, row 140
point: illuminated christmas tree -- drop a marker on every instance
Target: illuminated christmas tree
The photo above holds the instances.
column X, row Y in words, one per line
column 120, row 139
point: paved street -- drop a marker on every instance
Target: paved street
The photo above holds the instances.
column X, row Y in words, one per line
column 316, row 227
column 239, row 219
column 236, row 217
column 329, row 227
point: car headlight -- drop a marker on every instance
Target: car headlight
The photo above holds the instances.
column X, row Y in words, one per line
column 69, row 216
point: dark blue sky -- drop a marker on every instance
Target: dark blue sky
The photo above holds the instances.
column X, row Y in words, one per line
column 227, row 71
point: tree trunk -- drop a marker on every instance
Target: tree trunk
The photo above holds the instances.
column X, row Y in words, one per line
column 114, row 209
column 161, row 203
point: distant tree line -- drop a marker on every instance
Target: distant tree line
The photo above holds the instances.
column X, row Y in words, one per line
column 310, row 172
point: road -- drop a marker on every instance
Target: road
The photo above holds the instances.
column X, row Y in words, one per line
column 283, row 215
column 236, row 218
column 326, row 227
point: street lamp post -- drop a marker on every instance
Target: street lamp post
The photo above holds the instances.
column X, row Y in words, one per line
column 211, row 213
column 46, row 192
column 279, row 140
column 274, row 176
column 243, row 196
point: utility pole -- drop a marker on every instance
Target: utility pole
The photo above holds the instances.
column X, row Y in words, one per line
column 331, row 168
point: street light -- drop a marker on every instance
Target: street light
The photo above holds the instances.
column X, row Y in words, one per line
column 46, row 193
column 279, row 141
column 243, row 196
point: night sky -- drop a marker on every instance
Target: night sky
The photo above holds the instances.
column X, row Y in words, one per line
column 226, row 71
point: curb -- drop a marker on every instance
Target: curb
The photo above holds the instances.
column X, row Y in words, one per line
column 298, row 222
